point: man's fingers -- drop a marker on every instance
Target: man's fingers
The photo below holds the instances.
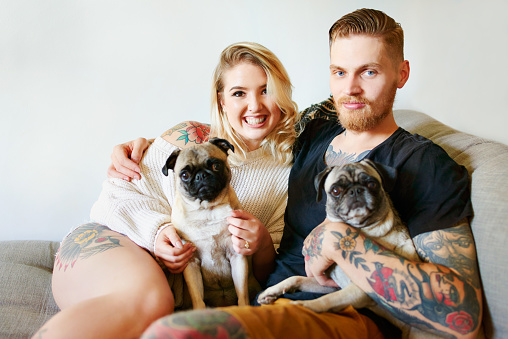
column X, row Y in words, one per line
column 127, row 165
column 122, row 157
column 139, row 147
column 113, row 173
column 122, row 173
column 321, row 277
column 324, row 280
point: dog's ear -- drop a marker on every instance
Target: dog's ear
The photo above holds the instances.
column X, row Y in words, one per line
column 223, row 144
column 319, row 182
column 388, row 174
column 170, row 163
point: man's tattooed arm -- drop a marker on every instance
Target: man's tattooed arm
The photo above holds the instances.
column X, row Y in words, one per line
column 454, row 248
column 187, row 133
column 441, row 294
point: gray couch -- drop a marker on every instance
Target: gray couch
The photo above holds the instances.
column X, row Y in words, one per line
column 26, row 301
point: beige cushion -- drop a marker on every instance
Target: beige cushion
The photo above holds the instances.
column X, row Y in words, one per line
column 26, row 301
column 487, row 163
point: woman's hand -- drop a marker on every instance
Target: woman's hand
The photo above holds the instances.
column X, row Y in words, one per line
column 125, row 159
column 247, row 229
column 169, row 248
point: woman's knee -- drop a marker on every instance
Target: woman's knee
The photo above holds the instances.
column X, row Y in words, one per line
column 153, row 299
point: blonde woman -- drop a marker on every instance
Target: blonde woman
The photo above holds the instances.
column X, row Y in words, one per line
column 106, row 279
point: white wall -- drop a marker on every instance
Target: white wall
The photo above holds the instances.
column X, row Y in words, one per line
column 78, row 77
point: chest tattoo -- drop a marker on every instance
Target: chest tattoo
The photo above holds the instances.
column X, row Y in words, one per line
column 338, row 157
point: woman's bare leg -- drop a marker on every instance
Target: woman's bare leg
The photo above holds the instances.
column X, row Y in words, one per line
column 106, row 287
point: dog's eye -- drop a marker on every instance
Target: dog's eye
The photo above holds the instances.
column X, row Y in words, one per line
column 372, row 185
column 185, row 175
column 336, row 191
column 216, row 167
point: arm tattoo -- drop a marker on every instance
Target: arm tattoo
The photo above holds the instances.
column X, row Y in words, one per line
column 346, row 245
column 175, row 128
column 390, row 284
column 338, row 158
column 446, row 299
column 454, row 248
column 313, row 249
column 437, row 293
column 82, row 243
column 190, row 131
column 198, row 324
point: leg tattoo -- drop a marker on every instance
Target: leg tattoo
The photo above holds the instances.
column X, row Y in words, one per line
column 84, row 242
column 197, row 324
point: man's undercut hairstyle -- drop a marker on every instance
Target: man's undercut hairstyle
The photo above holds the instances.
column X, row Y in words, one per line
column 373, row 23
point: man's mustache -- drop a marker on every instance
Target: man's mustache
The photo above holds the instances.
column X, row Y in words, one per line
column 352, row 99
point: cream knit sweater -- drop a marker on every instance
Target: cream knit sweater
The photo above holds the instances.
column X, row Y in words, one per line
column 140, row 208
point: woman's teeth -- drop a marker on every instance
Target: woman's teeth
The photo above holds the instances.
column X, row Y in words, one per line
column 255, row 120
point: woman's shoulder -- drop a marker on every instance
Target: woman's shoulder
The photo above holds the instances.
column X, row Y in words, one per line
column 187, row 133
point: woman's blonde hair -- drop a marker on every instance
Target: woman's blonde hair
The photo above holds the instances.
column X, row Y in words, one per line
column 278, row 142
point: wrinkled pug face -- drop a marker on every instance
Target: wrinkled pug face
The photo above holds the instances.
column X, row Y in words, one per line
column 202, row 172
column 354, row 192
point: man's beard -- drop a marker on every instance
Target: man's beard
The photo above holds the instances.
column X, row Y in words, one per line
column 361, row 120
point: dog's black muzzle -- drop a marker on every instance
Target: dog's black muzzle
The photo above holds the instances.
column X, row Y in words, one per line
column 205, row 185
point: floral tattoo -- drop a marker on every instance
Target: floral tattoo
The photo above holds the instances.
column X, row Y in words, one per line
column 196, row 133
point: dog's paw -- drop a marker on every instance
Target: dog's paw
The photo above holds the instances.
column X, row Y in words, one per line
column 267, row 299
column 269, row 296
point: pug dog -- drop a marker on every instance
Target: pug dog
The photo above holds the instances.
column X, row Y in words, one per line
column 204, row 198
column 355, row 196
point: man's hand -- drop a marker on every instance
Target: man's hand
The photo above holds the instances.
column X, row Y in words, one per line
column 125, row 159
column 317, row 261
column 170, row 249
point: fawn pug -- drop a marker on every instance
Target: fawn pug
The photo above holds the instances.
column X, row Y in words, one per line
column 204, row 198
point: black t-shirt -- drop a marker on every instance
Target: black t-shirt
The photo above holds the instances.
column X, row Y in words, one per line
column 430, row 192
